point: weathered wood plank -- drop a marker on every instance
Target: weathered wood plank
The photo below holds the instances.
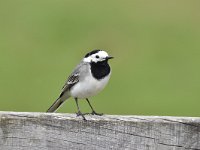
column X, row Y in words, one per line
column 23, row 131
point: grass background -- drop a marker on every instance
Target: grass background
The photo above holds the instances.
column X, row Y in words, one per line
column 156, row 45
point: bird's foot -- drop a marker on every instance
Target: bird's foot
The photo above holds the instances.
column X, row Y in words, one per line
column 81, row 114
column 98, row 114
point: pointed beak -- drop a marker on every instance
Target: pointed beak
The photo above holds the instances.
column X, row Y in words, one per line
column 109, row 57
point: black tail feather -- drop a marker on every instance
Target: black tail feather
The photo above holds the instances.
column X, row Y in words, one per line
column 55, row 105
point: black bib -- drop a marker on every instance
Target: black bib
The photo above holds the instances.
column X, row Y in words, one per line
column 100, row 69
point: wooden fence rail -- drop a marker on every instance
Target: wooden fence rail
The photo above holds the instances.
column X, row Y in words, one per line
column 45, row 131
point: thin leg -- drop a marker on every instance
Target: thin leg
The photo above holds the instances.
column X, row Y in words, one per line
column 93, row 111
column 79, row 112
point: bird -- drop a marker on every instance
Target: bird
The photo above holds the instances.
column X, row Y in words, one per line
column 88, row 78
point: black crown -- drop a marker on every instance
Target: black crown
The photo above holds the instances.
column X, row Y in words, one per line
column 92, row 52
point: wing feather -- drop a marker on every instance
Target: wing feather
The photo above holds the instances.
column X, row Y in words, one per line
column 73, row 78
column 71, row 81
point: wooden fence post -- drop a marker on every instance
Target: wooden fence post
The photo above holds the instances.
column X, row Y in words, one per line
column 54, row 131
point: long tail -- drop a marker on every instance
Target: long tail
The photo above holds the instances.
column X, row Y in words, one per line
column 58, row 102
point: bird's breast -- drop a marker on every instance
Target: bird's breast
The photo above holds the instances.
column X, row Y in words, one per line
column 88, row 87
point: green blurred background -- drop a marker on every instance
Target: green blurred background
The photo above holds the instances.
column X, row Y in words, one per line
column 156, row 45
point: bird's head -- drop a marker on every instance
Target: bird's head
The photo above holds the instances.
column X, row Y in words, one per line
column 96, row 56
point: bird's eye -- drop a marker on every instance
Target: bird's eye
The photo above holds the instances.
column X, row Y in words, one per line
column 97, row 56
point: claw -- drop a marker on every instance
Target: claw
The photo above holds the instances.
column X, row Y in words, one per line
column 98, row 114
column 80, row 114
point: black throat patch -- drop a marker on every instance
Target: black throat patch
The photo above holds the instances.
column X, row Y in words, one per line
column 100, row 69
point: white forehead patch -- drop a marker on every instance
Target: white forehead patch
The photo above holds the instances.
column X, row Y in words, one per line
column 102, row 55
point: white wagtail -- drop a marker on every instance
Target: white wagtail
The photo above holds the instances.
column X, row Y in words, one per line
column 87, row 79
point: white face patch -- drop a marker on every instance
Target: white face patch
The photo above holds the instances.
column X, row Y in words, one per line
column 97, row 57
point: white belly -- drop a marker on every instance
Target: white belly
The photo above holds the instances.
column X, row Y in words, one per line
column 88, row 87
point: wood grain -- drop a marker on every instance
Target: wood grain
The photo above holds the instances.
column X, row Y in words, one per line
column 45, row 131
